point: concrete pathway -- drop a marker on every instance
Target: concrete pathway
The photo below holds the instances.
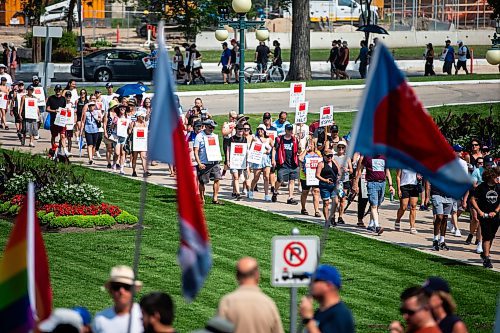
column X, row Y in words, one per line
column 421, row 242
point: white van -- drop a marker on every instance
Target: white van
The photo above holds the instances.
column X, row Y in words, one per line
column 339, row 11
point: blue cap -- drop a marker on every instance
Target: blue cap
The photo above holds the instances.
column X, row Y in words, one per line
column 329, row 274
column 84, row 313
column 435, row 283
column 458, row 148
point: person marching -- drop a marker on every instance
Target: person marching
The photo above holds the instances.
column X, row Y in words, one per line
column 70, row 127
column 4, row 91
column 328, row 172
column 91, row 120
column 286, row 160
column 29, row 119
column 441, row 209
column 140, row 123
column 236, row 173
column 119, row 155
column 344, row 184
column 264, row 167
column 408, row 191
column 305, row 155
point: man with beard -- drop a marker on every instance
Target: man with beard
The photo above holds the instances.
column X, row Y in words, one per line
column 333, row 315
column 157, row 313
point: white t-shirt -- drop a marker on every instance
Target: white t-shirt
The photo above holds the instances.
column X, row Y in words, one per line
column 462, row 53
column 107, row 321
column 8, row 77
column 408, row 177
column 199, row 142
column 105, row 101
column 463, row 164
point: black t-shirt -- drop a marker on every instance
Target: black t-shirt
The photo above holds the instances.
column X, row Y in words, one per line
column 277, row 56
column 336, row 319
column 446, row 325
column 289, row 158
column 334, row 54
column 262, row 53
column 240, row 139
column 487, row 196
column 55, row 103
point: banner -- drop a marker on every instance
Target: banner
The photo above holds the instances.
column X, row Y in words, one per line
column 326, row 116
column 297, row 93
column 311, row 166
column 40, row 95
column 301, row 113
column 212, row 148
column 238, row 156
column 140, row 139
column 61, row 117
column 4, row 99
column 30, row 108
column 122, row 127
column 256, row 153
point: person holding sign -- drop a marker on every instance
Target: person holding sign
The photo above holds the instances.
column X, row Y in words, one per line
column 259, row 159
column 92, row 120
column 55, row 103
column 286, row 160
column 206, row 147
column 308, row 159
column 327, row 174
column 14, row 102
column 139, row 131
column 234, row 151
column 344, row 184
column 228, row 130
column 120, row 130
column 29, row 115
column 4, row 96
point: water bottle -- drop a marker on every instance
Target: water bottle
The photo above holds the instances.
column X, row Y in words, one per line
column 391, row 197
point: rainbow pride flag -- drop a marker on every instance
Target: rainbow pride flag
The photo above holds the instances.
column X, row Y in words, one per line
column 26, row 295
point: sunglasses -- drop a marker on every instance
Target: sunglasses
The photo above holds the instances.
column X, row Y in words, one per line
column 117, row 286
column 408, row 312
column 239, row 129
column 210, row 127
column 329, row 156
column 475, row 144
column 340, row 147
column 246, row 129
column 480, row 163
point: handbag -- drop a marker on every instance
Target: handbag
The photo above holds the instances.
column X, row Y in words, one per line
column 46, row 123
column 97, row 122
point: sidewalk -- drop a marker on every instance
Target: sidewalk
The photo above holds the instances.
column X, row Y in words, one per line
column 421, row 242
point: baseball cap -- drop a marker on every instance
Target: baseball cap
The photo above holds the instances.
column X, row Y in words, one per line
column 109, row 85
column 233, row 40
column 3, row 66
column 35, row 77
column 197, row 123
column 459, row 41
column 342, row 143
column 141, row 112
column 209, row 122
column 224, row 44
column 334, row 128
column 84, row 313
column 448, row 41
column 61, row 316
column 58, row 87
column 328, row 274
column 435, row 283
column 457, row 148
column 3, row 78
column 266, row 115
column 97, row 92
column 31, row 87
column 488, row 160
column 67, row 94
column 262, row 127
column 288, row 127
column 91, row 103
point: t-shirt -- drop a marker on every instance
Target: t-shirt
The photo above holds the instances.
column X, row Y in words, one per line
column 107, row 321
column 363, row 55
column 277, row 56
column 462, row 53
column 477, row 175
column 289, row 158
column 199, row 142
column 337, row 318
column 450, row 53
column 334, row 53
column 8, row 77
column 487, row 197
column 280, row 128
column 408, row 177
column 105, row 101
column 55, row 103
column 375, row 168
column 262, row 53
column 224, row 58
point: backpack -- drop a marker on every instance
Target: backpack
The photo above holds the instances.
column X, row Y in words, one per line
column 467, row 54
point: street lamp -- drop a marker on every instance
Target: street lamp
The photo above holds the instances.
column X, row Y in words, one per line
column 241, row 7
column 493, row 54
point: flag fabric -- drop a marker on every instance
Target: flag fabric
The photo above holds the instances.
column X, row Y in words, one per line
column 393, row 122
column 26, row 295
column 167, row 144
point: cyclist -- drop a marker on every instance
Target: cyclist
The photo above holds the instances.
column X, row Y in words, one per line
column 262, row 56
column 277, row 60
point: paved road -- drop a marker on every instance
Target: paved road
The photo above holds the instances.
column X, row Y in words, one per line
column 346, row 99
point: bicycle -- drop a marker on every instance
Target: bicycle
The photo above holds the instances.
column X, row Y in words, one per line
column 273, row 73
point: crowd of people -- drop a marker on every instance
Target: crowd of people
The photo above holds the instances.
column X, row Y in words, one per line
column 428, row 308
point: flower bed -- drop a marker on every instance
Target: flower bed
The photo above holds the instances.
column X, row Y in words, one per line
column 63, row 199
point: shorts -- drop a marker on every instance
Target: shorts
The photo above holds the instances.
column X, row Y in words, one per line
column 461, row 64
column 79, row 115
column 327, row 191
column 69, row 133
column 489, row 227
column 342, row 67
column 91, row 138
column 447, row 67
column 56, row 130
column 332, row 67
column 225, row 70
column 441, row 205
column 17, row 118
column 376, row 193
column 303, row 184
column 409, row 191
column 108, row 141
column 457, row 206
column 286, row 174
column 31, row 127
column 240, row 172
column 188, row 68
column 346, row 185
column 121, row 140
column 211, row 170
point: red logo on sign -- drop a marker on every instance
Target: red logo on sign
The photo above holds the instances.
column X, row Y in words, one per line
column 271, row 135
column 238, row 149
column 5, row 97
column 302, row 106
column 211, row 142
column 31, row 103
column 69, row 113
column 295, row 254
column 38, row 91
column 326, row 111
column 63, row 113
column 257, row 147
column 140, row 133
column 124, row 123
column 297, row 88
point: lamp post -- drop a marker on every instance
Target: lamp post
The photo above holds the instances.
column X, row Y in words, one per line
column 241, row 7
column 493, row 54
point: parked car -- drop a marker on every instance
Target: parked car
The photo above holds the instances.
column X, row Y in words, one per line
column 112, row 64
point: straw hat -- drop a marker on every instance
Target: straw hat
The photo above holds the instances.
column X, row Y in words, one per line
column 123, row 274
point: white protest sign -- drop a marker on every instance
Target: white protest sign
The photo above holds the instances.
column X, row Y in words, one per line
column 326, row 116
column 311, row 166
column 70, row 113
column 122, row 127
column 19, row 97
column 30, row 108
column 40, row 95
column 212, row 148
column 256, row 153
column 140, row 139
column 297, row 93
column 301, row 113
column 4, row 98
column 272, row 135
column 61, row 117
column 294, row 257
column 238, row 156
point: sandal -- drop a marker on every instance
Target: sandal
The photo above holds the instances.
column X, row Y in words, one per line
column 304, row 212
column 317, row 214
column 217, row 203
column 6, row 127
column 360, row 225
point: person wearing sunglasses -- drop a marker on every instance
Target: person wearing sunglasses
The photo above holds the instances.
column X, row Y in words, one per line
column 328, row 172
column 344, row 183
column 475, row 151
column 115, row 319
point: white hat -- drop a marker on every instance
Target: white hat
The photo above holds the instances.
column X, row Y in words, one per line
column 3, row 66
column 61, row 316
column 342, row 143
column 141, row 112
column 123, row 274
column 262, row 126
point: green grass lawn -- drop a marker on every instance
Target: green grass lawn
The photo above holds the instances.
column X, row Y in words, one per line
column 374, row 272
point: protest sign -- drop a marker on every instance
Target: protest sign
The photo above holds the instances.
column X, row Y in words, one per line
column 61, row 117
column 40, row 95
column 326, row 116
column 272, row 135
column 238, row 156
column 4, row 98
column 297, row 93
column 301, row 112
column 30, row 108
column 256, row 153
column 122, row 127
column 311, row 166
column 212, row 148
column 140, row 139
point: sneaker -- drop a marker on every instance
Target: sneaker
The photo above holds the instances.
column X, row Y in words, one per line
column 333, row 223
column 147, row 174
column 37, row 137
column 122, row 172
column 468, row 241
column 114, row 167
column 379, row 230
column 371, row 229
column 413, row 231
column 476, row 242
column 32, row 145
column 479, row 248
column 457, row 233
column 444, row 247
column 317, row 214
column 237, row 196
column 422, row 208
column 108, row 166
column 274, row 198
column 250, row 194
column 487, row 263
column 97, row 154
column 244, row 192
column 23, row 141
column 134, row 174
column 19, row 135
column 435, row 245
column 397, row 226
column 91, row 162
column 340, row 221
column 292, row 201
column 267, row 198
column 233, row 195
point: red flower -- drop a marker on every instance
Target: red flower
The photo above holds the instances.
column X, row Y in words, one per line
column 68, row 209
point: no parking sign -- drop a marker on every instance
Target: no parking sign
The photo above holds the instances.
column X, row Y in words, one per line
column 293, row 258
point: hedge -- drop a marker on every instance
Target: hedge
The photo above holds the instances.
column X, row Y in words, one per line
column 81, row 221
column 126, row 218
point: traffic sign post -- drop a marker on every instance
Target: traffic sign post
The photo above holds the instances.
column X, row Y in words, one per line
column 294, row 258
column 48, row 33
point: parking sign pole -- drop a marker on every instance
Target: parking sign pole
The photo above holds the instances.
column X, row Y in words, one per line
column 293, row 298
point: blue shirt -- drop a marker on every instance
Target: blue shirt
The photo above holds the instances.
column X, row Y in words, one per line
column 224, row 58
column 477, row 175
column 152, row 55
column 363, row 54
column 450, row 55
column 280, row 128
column 90, row 122
column 337, row 318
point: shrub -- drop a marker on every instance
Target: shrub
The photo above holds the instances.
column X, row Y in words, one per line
column 126, row 218
column 63, row 54
column 4, row 207
column 45, row 219
column 81, row 221
column 83, row 194
column 102, row 43
column 14, row 209
column 68, row 40
column 40, row 214
column 18, row 184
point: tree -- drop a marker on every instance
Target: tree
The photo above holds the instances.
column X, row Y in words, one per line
column 300, row 57
column 71, row 9
column 496, row 8
column 32, row 10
